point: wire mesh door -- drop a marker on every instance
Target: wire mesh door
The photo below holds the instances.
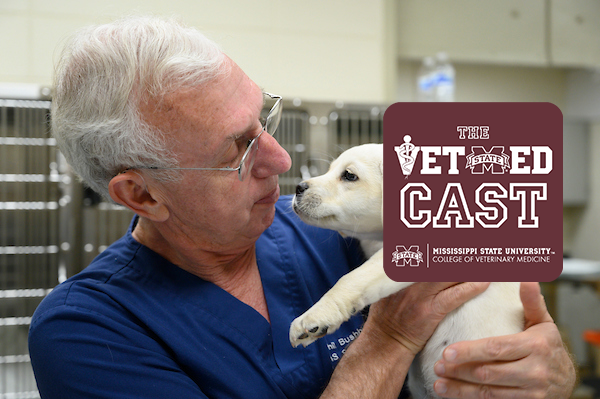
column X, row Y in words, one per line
column 355, row 126
column 29, row 226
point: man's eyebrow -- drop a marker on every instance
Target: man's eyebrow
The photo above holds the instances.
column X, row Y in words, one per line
column 237, row 136
column 241, row 133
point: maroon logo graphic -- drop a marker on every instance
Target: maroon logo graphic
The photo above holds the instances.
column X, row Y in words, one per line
column 477, row 187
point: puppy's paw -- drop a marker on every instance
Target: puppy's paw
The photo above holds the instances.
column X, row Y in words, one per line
column 323, row 318
column 302, row 332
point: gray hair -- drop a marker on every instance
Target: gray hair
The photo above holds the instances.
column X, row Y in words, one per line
column 105, row 73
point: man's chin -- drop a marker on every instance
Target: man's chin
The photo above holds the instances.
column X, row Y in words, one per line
column 262, row 218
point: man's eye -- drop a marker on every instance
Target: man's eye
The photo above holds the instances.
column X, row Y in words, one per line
column 349, row 176
column 235, row 153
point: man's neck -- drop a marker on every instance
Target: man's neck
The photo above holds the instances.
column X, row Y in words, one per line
column 237, row 273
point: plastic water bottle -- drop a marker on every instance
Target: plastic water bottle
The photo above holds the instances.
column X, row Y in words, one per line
column 445, row 79
column 426, row 80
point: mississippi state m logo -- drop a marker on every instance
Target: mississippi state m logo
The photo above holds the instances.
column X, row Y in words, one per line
column 411, row 256
column 494, row 160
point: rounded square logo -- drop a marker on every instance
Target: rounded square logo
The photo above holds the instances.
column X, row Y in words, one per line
column 473, row 192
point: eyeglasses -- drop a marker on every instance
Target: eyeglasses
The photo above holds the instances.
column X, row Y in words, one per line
column 269, row 124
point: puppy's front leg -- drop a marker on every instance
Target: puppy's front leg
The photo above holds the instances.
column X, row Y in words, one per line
column 363, row 286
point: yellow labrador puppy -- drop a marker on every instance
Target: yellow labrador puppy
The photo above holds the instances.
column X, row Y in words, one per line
column 348, row 198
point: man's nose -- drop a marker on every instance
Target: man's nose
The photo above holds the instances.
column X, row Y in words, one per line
column 271, row 158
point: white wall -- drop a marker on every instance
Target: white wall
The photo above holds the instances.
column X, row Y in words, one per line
column 322, row 50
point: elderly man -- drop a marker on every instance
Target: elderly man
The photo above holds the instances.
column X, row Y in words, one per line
column 196, row 299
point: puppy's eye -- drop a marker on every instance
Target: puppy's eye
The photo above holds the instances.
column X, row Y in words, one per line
column 349, row 176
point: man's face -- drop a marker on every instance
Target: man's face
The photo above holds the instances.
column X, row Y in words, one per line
column 210, row 127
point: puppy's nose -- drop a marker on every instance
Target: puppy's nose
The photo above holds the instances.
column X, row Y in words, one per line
column 301, row 188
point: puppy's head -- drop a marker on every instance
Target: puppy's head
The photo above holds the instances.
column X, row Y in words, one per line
column 348, row 198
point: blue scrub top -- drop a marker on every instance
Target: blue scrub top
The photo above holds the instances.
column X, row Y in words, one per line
column 133, row 325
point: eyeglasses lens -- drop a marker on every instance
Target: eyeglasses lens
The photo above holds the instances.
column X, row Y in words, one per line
column 273, row 119
column 248, row 161
column 271, row 125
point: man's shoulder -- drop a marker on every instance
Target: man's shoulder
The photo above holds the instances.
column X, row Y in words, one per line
column 89, row 290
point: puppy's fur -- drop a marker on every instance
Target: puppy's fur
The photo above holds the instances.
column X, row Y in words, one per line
column 348, row 198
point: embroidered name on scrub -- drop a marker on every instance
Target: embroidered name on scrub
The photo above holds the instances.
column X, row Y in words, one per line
column 338, row 347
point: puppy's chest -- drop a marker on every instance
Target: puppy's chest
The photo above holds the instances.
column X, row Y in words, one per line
column 497, row 311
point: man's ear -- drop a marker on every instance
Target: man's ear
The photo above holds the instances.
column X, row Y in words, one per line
column 129, row 189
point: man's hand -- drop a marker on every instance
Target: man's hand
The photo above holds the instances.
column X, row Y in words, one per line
column 531, row 364
column 412, row 315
